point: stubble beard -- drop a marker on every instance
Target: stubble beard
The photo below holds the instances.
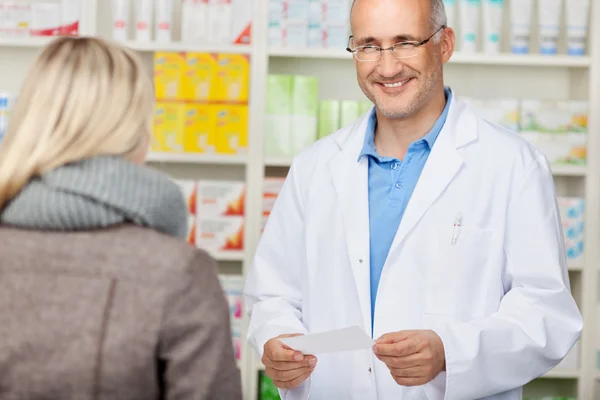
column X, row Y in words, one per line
column 415, row 104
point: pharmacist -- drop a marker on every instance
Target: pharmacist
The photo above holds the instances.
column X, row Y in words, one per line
column 434, row 231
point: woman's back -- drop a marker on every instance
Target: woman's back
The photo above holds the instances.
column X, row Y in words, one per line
column 102, row 314
column 100, row 295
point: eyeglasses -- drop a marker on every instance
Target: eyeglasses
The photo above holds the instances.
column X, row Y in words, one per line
column 405, row 49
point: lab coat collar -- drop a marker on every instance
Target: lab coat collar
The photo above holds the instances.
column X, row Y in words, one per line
column 350, row 179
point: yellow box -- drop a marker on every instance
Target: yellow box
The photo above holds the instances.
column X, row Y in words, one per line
column 232, row 78
column 232, row 129
column 169, row 70
column 200, row 77
column 200, row 127
column 169, row 122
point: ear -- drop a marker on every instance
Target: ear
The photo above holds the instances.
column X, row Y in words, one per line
column 447, row 44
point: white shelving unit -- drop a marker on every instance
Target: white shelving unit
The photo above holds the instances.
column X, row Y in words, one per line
column 475, row 75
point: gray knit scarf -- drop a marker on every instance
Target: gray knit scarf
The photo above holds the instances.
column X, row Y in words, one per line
column 99, row 193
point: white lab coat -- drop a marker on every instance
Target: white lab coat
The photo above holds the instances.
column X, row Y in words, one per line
column 499, row 298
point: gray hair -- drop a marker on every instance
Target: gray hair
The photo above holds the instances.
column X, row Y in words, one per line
column 437, row 18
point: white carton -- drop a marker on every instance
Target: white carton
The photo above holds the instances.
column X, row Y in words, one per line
column 188, row 190
column 194, row 20
column 45, row 19
column 219, row 21
column 220, row 198
column 242, row 21
column 218, row 234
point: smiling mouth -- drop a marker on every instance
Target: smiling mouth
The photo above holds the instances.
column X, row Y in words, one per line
column 395, row 84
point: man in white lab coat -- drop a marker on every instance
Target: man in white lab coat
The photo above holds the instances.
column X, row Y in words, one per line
column 434, row 231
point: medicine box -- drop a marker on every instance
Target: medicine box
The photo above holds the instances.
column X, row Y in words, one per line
column 169, row 69
column 188, row 189
column 329, row 117
column 200, row 128
column 231, row 135
column 220, row 198
column 305, row 109
column 168, row 135
column 200, row 77
column 191, row 232
column 217, row 234
column 233, row 75
column 278, row 111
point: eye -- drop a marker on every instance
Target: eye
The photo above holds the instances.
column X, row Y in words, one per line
column 404, row 45
column 369, row 48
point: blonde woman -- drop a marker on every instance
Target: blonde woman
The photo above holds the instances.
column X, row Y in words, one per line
column 100, row 298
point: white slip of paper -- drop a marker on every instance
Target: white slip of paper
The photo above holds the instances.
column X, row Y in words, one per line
column 347, row 339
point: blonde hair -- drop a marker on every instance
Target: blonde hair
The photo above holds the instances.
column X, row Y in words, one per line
column 84, row 97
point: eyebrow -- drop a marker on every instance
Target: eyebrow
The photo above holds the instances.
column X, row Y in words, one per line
column 397, row 38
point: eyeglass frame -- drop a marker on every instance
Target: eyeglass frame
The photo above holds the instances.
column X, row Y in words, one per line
column 415, row 43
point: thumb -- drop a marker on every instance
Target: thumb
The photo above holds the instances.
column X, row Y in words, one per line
column 288, row 335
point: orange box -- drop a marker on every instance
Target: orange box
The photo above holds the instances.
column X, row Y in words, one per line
column 218, row 234
column 220, row 198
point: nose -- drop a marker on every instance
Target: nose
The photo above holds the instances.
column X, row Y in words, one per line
column 389, row 65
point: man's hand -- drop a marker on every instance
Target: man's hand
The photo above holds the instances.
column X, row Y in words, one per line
column 286, row 368
column 413, row 357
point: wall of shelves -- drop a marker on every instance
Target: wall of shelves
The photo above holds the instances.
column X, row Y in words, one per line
column 474, row 75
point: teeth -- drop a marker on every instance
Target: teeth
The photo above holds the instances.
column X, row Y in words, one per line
column 394, row 85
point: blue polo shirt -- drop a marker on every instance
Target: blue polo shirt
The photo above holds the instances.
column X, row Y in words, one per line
column 391, row 183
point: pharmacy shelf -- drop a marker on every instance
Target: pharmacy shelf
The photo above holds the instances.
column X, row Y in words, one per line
column 231, row 256
column 187, row 47
column 525, row 60
column 576, row 267
column 189, row 158
column 561, row 374
column 34, row 41
column 569, row 170
column 278, row 161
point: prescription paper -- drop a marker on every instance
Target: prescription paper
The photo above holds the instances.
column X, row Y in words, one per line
column 346, row 339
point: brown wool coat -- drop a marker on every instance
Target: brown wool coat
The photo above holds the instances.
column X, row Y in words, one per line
column 120, row 313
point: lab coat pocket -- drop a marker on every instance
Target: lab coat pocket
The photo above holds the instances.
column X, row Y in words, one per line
column 457, row 281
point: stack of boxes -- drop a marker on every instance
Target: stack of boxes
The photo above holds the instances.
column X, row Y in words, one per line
column 572, row 216
column 216, row 214
column 334, row 114
column 557, row 128
column 271, row 189
column 295, row 118
column 233, row 286
column 309, row 23
column 291, row 114
column 202, row 103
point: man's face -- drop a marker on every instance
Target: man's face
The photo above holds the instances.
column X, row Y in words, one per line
column 399, row 87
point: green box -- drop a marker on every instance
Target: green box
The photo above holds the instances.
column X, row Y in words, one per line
column 349, row 113
column 305, row 96
column 305, row 110
column 364, row 106
column 329, row 117
column 277, row 130
column 266, row 388
column 279, row 94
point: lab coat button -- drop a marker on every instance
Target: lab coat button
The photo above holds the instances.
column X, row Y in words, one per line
column 360, row 260
column 370, row 370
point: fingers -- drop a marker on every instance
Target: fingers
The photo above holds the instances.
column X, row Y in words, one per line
column 410, row 381
column 287, row 375
column 292, row 383
column 413, row 360
column 402, row 348
column 412, row 372
column 309, row 361
column 395, row 337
